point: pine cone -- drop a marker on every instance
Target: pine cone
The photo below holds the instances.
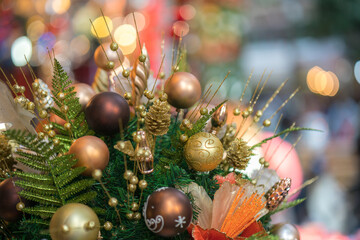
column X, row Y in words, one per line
column 7, row 161
column 157, row 120
column 238, row 154
column 277, row 193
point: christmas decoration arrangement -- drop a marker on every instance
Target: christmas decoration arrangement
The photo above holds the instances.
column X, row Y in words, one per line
column 90, row 163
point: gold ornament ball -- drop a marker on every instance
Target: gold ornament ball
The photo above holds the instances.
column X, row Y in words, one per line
column 162, row 75
column 114, row 46
column 97, row 174
column 67, row 126
column 183, row 90
column 132, row 187
column 130, row 215
column 245, row 114
column 43, row 114
column 84, row 92
column 20, row 206
column 56, row 141
column 134, row 180
column 203, row 151
column 134, row 206
column 237, row 111
column 250, row 109
column 259, row 113
column 108, row 226
column 125, row 73
column 142, row 58
column 150, row 95
column 113, row 202
column 74, row 221
column 35, row 85
column 127, row 96
column 143, row 184
column 31, row 106
column 203, row 111
column 61, row 95
column 262, row 160
column 91, row 153
column 266, row 164
column 110, row 65
column 137, row 216
column 22, row 89
column 267, row 123
column 101, row 60
column 183, row 138
column 128, row 174
column 51, row 133
column 64, row 108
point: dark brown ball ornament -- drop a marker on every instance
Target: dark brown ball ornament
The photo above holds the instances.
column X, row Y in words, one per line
column 91, row 153
column 105, row 111
column 183, row 90
column 167, row 212
column 8, row 200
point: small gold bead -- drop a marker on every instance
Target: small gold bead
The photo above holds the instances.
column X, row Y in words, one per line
column 137, row 216
column 262, row 160
column 122, row 228
column 143, row 184
column 134, row 206
column 254, row 181
column 113, row 202
column 90, row 225
column 203, row 111
column 141, row 120
column 65, row 228
column 245, row 114
column 133, row 134
column 41, row 135
column 16, row 88
column 237, row 111
column 35, row 85
column 134, row 180
column 140, row 108
column 108, row 226
column 175, row 68
column 51, row 133
column 110, row 65
column 266, row 164
column 137, row 138
column 67, row 126
column 183, row 138
column 186, row 122
column 256, row 119
column 51, row 126
column 64, row 108
column 128, row 174
column 56, row 141
column 126, row 73
column 97, row 174
column 31, row 106
column 182, row 127
column 250, row 109
column 132, row 187
column 43, row 114
column 61, row 95
column 20, row 206
column 259, row 113
column 150, row 95
column 162, row 75
column 22, row 89
column 72, row 141
column 163, row 97
column 142, row 58
column 267, row 123
column 143, row 114
column 114, row 46
column 44, row 94
column 46, row 127
column 130, row 215
column 127, row 96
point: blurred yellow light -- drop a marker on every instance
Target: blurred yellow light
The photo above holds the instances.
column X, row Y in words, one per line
column 125, row 36
column 321, row 80
column 61, row 6
column 140, row 20
column 100, row 27
column 20, row 48
column 35, row 30
column 181, row 28
column 336, row 84
column 310, row 79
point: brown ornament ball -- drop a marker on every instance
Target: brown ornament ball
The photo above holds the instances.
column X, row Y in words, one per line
column 74, row 221
column 167, row 212
column 105, row 111
column 84, row 92
column 100, row 59
column 8, row 200
column 91, row 153
column 183, row 90
column 203, row 151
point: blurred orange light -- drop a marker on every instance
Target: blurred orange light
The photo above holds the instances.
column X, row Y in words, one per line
column 125, row 35
column 187, row 11
column 100, row 27
column 181, row 28
column 61, row 6
column 140, row 20
column 322, row 82
column 310, row 79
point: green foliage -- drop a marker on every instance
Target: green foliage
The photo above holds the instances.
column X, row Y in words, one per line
column 57, row 184
column 75, row 116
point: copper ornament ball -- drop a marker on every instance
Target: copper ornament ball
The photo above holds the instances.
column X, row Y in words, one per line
column 183, row 90
column 91, row 153
column 74, row 221
column 8, row 200
column 105, row 111
column 203, row 151
column 84, row 92
column 167, row 212
column 100, row 59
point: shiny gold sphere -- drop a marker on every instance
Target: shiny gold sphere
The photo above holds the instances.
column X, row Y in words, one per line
column 262, row 160
column 22, row 89
column 183, row 138
column 61, row 95
column 41, row 135
column 266, row 164
column 64, row 108
column 30, row 106
column 56, row 141
column 127, row 96
column 97, row 174
column 51, row 133
column 20, row 206
column 143, row 114
column 67, row 126
column 267, row 123
column 91, row 153
column 250, row 109
column 142, row 58
column 114, row 46
column 113, row 202
column 183, row 90
column 253, row 181
column 16, row 88
column 35, row 85
column 237, row 111
column 134, row 206
column 130, row 215
column 245, row 114
column 125, row 73
column 140, row 108
column 162, row 75
column 74, row 221
column 143, row 184
column 137, row 216
column 46, row 127
column 132, row 187
column 134, row 180
column 150, row 95
column 43, row 113
column 259, row 113
column 108, row 226
column 110, row 65
column 203, row 151
column 128, row 174
column 163, row 97
column 203, row 111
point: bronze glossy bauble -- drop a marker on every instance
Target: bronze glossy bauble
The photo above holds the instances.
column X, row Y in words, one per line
column 286, row 231
column 183, row 90
column 91, row 153
column 105, row 111
column 167, row 212
column 203, row 151
column 8, row 200
column 100, row 59
column 74, row 221
column 84, row 92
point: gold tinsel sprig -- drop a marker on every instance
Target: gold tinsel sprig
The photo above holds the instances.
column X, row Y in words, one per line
column 157, row 120
column 239, row 153
column 7, row 161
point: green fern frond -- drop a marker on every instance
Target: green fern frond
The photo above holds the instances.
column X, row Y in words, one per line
column 83, row 198
column 41, row 198
column 44, row 212
column 69, row 176
column 33, row 177
column 76, row 187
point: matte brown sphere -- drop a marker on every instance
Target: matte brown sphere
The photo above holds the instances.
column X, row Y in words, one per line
column 183, row 90
column 8, row 200
column 91, row 153
column 105, row 111
column 84, row 92
column 167, row 212
column 100, row 59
